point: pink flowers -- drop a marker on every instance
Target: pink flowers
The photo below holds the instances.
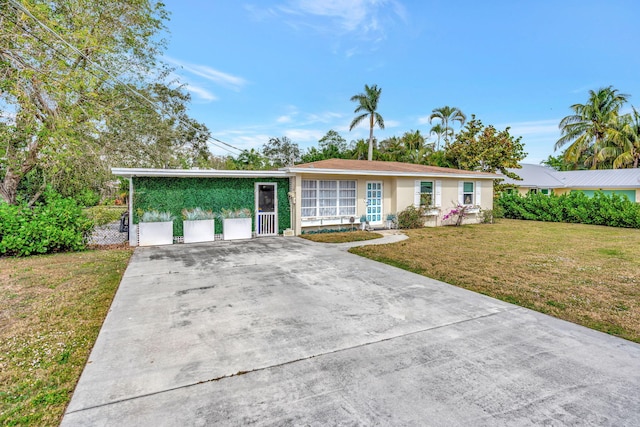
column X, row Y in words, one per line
column 459, row 211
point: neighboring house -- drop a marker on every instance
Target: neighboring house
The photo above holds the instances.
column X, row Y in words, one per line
column 322, row 194
column 545, row 180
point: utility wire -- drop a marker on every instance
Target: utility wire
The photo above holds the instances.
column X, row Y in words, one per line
column 214, row 141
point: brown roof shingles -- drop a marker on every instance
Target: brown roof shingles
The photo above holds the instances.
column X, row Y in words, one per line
column 379, row 166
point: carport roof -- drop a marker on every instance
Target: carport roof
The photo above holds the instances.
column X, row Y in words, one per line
column 198, row 173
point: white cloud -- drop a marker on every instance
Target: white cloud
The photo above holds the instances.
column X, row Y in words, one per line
column 539, row 128
column 368, row 20
column 200, row 92
column 324, row 117
column 284, row 119
column 538, row 137
column 211, row 74
column 423, row 120
column 302, row 136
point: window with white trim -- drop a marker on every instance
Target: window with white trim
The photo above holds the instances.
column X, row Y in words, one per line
column 467, row 193
column 426, row 193
column 328, row 198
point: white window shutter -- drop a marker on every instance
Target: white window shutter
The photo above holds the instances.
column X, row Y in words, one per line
column 438, row 191
column 478, row 192
column 461, row 192
column 416, row 194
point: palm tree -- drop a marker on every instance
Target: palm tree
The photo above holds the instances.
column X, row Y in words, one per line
column 624, row 148
column 413, row 140
column 588, row 128
column 367, row 105
column 440, row 132
column 448, row 115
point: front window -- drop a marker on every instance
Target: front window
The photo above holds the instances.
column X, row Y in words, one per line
column 426, row 193
column 328, row 198
column 467, row 193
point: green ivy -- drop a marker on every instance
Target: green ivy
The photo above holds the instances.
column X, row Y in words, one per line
column 576, row 207
column 169, row 194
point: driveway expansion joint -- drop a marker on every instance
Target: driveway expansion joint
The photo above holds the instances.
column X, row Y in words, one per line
column 290, row 362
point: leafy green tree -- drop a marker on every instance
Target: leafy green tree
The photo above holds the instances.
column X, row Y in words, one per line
column 558, row 163
column 368, row 106
column 54, row 94
column 588, row 128
column 281, row 152
column 485, row 149
column 447, row 115
column 167, row 138
column 333, row 141
column 251, row 160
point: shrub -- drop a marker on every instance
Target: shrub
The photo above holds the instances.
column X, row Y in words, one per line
column 87, row 198
column 101, row 215
column 235, row 213
column 411, row 217
column 155, row 216
column 575, row 207
column 196, row 214
column 53, row 225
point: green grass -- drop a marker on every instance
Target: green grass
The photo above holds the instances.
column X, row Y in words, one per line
column 51, row 310
column 585, row 274
column 342, row 237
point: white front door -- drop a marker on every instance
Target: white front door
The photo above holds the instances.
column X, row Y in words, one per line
column 374, row 202
column 266, row 196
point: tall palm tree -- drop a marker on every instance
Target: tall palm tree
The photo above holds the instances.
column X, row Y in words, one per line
column 588, row 127
column 440, row 132
column 368, row 106
column 448, row 115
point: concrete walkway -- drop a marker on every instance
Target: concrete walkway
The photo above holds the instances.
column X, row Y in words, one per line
column 283, row 331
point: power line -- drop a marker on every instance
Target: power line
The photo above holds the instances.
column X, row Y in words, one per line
column 213, row 140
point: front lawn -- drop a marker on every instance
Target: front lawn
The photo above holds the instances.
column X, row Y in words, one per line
column 585, row 274
column 51, row 310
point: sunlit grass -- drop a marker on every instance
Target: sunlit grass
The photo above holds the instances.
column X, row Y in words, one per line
column 51, row 310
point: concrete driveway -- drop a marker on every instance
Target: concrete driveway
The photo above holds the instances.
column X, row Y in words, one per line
column 283, row 331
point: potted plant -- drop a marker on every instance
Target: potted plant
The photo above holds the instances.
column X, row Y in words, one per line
column 236, row 224
column 198, row 225
column 391, row 220
column 156, row 228
column 363, row 222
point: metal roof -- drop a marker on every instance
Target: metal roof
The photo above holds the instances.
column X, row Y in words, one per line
column 537, row 176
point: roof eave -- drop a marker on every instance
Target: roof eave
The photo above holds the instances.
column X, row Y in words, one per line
column 484, row 175
column 195, row 173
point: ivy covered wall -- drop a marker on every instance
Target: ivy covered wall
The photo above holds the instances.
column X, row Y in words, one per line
column 170, row 194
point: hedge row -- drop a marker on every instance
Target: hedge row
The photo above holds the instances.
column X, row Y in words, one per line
column 575, row 207
column 174, row 194
column 56, row 224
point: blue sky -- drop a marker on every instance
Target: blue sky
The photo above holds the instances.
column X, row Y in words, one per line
column 271, row 68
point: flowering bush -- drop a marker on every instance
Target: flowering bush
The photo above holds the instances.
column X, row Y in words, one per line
column 459, row 212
